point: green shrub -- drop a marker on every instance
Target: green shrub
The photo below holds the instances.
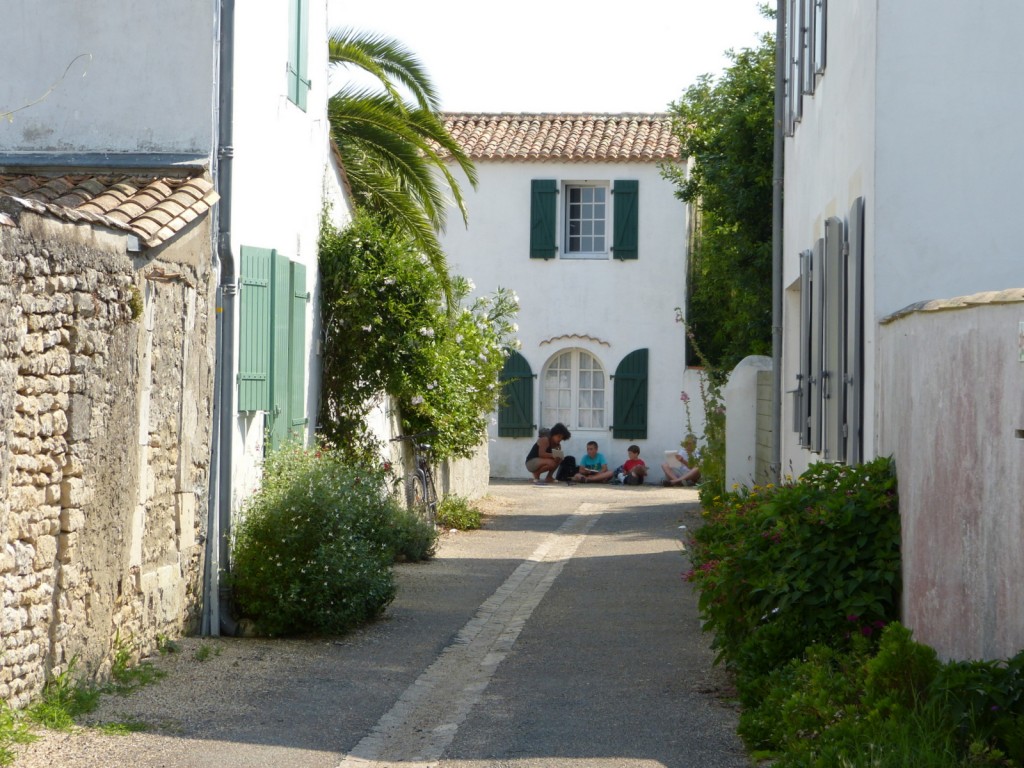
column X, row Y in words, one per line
column 458, row 512
column 314, row 550
column 781, row 568
column 411, row 538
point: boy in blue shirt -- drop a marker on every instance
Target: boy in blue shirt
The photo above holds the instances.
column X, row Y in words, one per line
column 592, row 467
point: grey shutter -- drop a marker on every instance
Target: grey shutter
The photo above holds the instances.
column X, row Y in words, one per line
column 820, row 40
column 543, row 218
column 802, row 393
column 817, row 308
column 626, row 224
column 855, row 335
column 833, row 341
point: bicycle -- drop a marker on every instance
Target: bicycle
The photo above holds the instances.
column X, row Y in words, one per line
column 420, row 492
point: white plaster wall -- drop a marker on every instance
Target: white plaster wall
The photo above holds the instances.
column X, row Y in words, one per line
column 952, row 405
column 740, row 395
column 283, row 175
column 110, row 98
column 606, row 307
column 912, row 113
column 829, row 162
column 949, row 163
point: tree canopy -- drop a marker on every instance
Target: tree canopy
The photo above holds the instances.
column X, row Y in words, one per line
column 726, row 128
column 391, row 147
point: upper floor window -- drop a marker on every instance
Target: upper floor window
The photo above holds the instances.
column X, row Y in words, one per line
column 598, row 219
column 585, row 220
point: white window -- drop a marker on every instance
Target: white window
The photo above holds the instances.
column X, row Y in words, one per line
column 586, row 220
column 574, row 391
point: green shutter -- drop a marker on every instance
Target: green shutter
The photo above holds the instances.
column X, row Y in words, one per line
column 626, row 226
column 298, row 52
column 543, row 218
column 254, row 330
column 515, row 414
column 297, row 354
column 629, row 420
column 280, row 309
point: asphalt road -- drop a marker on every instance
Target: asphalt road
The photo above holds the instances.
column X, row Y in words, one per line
column 559, row 635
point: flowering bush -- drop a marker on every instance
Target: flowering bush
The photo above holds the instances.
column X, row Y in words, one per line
column 314, row 550
column 392, row 325
column 782, row 567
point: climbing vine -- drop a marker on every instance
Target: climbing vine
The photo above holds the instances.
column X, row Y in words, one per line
column 389, row 330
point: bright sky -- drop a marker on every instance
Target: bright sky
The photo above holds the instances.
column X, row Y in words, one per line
column 562, row 55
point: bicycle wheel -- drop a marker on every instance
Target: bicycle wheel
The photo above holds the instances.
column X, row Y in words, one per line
column 419, row 496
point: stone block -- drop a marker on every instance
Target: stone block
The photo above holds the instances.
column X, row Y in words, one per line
column 71, row 520
column 46, row 552
column 72, row 492
column 67, row 545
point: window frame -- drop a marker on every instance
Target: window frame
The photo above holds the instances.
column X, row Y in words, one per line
column 570, row 415
column 566, row 222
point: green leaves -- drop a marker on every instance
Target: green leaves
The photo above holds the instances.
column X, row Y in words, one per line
column 726, row 127
column 389, row 330
column 812, row 561
column 395, row 152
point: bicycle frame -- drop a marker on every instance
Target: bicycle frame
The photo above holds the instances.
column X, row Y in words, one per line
column 420, row 491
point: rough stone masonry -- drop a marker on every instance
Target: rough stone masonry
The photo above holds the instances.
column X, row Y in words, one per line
column 106, row 381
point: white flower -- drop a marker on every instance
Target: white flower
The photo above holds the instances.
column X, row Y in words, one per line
column 389, row 281
column 428, row 332
column 470, row 284
column 417, row 400
column 515, row 327
column 458, row 338
column 367, row 328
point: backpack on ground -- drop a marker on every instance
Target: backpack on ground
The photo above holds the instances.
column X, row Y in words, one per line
column 566, row 469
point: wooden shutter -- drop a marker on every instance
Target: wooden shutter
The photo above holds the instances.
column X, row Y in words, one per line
column 280, row 291
column 802, row 398
column 543, row 218
column 626, row 225
column 629, row 418
column 297, row 353
column 817, row 304
column 833, row 340
column 515, row 414
column 298, row 52
column 855, row 334
column 254, row 329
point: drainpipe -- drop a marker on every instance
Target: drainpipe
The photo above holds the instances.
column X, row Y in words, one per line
column 216, row 596
column 778, row 171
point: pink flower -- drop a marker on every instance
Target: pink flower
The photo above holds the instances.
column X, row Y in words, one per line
column 684, row 397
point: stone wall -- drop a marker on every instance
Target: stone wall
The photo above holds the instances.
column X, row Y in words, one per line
column 106, row 380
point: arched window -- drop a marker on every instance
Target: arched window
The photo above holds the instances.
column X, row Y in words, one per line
column 573, row 391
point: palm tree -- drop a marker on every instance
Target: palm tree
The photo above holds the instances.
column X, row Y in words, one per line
column 390, row 147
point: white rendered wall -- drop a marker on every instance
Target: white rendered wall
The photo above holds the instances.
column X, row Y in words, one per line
column 140, row 76
column 740, row 394
column 829, row 163
column 606, row 307
column 283, row 175
column 912, row 113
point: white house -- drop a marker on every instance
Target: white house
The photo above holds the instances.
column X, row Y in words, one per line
column 571, row 212
column 902, row 197
column 226, row 100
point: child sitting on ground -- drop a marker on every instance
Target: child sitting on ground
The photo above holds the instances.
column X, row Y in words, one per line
column 592, row 467
column 687, row 472
column 635, row 470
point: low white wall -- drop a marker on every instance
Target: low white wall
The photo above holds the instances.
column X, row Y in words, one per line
column 951, row 413
column 740, row 395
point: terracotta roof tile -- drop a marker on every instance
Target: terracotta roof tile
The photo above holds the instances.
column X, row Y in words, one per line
column 565, row 137
column 153, row 208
